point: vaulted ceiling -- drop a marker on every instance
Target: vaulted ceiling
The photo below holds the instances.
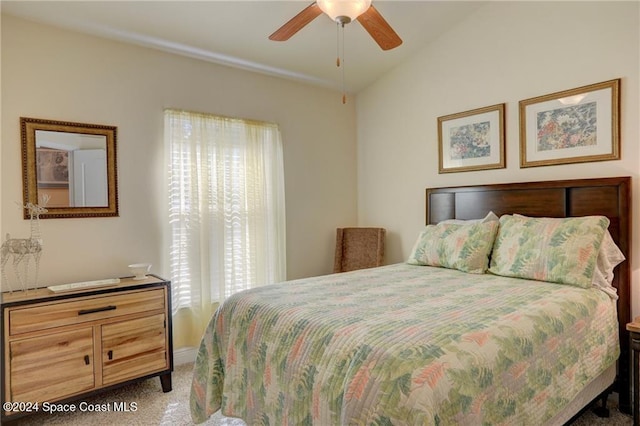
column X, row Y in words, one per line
column 236, row 33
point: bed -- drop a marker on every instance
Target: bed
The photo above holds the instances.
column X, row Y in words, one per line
column 416, row 344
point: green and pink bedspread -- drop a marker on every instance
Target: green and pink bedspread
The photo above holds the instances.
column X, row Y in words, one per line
column 403, row 345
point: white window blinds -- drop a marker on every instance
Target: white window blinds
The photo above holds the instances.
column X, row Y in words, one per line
column 226, row 207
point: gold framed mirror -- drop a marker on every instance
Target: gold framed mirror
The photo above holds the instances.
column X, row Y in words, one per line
column 70, row 165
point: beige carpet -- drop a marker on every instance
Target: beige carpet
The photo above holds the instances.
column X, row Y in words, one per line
column 172, row 409
column 154, row 407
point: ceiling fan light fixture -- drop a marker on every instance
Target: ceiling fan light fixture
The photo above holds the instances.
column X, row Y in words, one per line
column 337, row 9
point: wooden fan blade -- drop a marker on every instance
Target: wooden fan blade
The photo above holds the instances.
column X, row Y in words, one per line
column 379, row 29
column 296, row 23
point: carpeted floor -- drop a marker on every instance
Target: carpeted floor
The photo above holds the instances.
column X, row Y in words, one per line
column 153, row 407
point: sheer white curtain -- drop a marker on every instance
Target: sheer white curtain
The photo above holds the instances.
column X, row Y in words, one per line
column 226, row 213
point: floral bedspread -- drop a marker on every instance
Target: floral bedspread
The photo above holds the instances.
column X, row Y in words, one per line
column 403, row 345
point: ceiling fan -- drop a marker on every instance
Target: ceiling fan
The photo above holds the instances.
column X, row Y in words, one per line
column 343, row 12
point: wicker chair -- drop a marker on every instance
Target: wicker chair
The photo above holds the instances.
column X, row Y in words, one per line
column 358, row 248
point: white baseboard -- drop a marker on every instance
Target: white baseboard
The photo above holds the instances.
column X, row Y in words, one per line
column 184, row 356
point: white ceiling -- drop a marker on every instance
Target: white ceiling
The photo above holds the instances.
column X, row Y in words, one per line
column 236, row 33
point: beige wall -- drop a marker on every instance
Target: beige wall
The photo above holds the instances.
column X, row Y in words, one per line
column 506, row 52
column 56, row 74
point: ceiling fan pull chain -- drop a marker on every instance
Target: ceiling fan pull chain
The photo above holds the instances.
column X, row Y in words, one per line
column 344, row 95
column 338, row 44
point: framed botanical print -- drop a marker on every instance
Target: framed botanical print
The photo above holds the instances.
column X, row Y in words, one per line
column 572, row 126
column 52, row 167
column 472, row 140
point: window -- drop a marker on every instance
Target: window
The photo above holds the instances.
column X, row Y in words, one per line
column 226, row 207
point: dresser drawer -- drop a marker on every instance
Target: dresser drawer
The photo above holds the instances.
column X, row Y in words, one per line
column 134, row 348
column 53, row 366
column 57, row 314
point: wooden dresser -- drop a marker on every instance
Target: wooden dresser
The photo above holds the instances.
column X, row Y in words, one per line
column 60, row 347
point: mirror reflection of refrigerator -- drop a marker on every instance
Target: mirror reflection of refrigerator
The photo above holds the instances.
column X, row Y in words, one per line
column 88, row 178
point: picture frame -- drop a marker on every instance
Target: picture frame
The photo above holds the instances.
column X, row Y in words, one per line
column 472, row 140
column 572, row 126
column 52, row 168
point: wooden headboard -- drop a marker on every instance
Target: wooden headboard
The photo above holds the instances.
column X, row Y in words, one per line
column 561, row 198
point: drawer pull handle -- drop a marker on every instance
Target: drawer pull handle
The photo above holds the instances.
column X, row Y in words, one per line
column 86, row 359
column 110, row 355
column 92, row 311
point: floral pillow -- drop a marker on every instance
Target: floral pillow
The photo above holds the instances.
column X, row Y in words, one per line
column 455, row 246
column 491, row 216
column 561, row 250
column 609, row 257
